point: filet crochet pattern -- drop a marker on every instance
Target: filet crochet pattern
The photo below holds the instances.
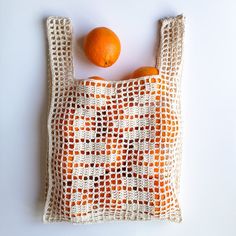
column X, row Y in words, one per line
column 114, row 146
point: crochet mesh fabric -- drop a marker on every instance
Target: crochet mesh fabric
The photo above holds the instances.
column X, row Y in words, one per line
column 114, row 146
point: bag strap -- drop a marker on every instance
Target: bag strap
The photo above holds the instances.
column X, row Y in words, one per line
column 170, row 58
column 59, row 33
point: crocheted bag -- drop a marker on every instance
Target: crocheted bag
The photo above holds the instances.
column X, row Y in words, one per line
column 114, row 146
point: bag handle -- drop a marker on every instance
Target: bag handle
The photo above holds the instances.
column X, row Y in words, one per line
column 59, row 33
column 170, row 56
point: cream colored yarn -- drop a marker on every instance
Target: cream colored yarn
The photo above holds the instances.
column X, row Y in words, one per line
column 114, row 146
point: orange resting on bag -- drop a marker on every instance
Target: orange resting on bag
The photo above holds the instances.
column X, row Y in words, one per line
column 145, row 71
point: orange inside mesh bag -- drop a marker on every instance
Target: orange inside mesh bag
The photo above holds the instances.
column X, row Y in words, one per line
column 114, row 146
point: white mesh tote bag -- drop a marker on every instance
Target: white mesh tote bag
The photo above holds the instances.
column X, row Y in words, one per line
column 114, row 146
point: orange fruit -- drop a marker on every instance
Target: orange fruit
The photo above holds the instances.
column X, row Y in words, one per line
column 144, row 71
column 97, row 78
column 102, row 46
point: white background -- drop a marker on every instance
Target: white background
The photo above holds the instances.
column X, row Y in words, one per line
column 208, row 189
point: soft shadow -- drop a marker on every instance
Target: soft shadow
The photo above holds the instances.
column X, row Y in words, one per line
column 42, row 135
column 126, row 76
column 157, row 45
column 79, row 50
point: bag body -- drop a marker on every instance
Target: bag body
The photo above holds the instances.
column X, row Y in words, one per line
column 114, row 148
